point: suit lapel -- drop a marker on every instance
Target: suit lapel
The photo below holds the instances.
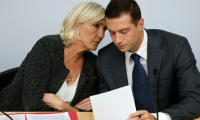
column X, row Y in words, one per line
column 119, row 71
column 154, row 60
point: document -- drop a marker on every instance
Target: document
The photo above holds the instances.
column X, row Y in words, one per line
column 57, row 116
column 14, row 117
column 42, row 116
column 117, row 104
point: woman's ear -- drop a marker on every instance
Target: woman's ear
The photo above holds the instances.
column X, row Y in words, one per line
column 76, row 25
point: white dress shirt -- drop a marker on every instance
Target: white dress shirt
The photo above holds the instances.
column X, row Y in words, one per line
column 142, row 51
column 66, row 93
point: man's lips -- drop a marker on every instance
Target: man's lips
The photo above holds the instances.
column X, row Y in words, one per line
column 121, row 46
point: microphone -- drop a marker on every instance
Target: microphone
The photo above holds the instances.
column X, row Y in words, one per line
column 155, row 73
column 6, row 114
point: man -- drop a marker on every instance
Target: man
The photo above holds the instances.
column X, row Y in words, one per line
column 133, row 56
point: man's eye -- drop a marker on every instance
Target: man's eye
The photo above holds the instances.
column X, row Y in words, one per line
column 112, row 33
column 124, row 32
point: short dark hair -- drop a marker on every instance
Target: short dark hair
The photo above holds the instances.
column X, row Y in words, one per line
column 118, row 7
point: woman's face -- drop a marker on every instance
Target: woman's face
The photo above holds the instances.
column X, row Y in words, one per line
column 91, row 34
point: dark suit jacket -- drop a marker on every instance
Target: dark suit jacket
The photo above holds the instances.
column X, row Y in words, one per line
column 178, row 76
column 43, row 71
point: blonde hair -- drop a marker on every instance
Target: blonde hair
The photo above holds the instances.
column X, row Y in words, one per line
column 86, row 12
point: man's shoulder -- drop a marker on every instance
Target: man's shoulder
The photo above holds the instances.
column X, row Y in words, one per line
column 162, row 33
column 165, row 37
column 109, row 49
column 109, row 53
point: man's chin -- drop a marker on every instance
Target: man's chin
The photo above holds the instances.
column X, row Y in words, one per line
column 123, row 50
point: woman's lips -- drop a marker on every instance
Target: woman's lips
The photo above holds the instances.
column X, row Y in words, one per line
column 96, row 43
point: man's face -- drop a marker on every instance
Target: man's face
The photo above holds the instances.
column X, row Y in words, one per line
column 125, row 35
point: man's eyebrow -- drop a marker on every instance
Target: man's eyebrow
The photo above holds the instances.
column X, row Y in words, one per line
column 109, row 30
column 120, row 29
column 124, row 29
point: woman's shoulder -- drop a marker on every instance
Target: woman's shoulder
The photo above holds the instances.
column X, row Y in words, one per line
column 51, row 43
column 46, row 47
column 51, row 39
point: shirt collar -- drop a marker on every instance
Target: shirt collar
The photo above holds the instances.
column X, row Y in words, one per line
column 142, row 51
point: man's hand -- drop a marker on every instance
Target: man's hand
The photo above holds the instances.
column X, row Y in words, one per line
column 141, row 115
column 85, row 104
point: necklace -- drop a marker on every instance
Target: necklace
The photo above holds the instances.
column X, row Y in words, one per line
column 70, row 77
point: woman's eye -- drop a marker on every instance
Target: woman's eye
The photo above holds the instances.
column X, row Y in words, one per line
column 96, row 26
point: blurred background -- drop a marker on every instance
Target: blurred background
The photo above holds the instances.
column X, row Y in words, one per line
column 23, row 22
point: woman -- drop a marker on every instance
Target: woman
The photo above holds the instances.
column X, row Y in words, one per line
column 59, row 72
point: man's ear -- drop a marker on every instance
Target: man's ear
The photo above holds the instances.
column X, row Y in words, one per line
column 76, row 25
column 141, row 24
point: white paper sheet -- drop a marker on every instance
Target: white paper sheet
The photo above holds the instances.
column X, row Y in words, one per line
column 56, row 116
column 117, row 104
column 14, row 117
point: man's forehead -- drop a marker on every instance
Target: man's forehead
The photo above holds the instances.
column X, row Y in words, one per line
column 121, row 16
column 116, row 24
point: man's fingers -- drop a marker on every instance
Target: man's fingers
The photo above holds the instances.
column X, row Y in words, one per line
column 145, row 116
column 138, row 113
column 135, row 118
column 141, row 115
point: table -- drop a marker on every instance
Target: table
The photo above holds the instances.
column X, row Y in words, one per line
column 85, row 115
column 81, row 115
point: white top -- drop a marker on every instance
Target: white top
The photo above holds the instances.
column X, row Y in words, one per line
column 142, row 51
column 66, row 93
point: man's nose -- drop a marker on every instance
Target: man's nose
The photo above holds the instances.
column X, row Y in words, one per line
column 118, row 39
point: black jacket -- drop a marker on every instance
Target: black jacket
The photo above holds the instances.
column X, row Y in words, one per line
column 178, row 76
column 43, row 71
